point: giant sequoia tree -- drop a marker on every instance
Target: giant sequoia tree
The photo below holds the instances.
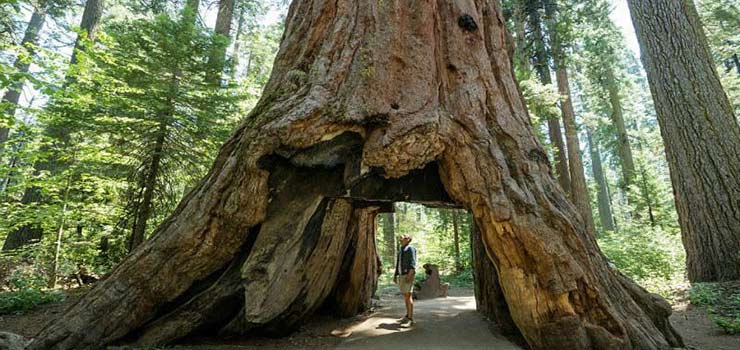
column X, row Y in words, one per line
column 700, row 133
column 370, row 102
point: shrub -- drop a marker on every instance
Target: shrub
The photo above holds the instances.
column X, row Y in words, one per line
column 722, row 301
column 20, row 301
column 653, row 257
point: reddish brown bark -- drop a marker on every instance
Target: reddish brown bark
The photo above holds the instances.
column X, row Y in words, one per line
column 375, row 102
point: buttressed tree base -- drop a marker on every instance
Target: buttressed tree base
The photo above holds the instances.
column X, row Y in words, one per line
column 371, row 102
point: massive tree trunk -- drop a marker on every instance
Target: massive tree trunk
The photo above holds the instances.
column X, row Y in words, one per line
column 623, row 143
column 489, row 297
column 22, row 63
column 700, row 133
column 374, row 102
column 542, row 66
column 602, row 194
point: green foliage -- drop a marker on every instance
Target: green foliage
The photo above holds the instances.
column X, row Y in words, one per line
column 26, row 293
column 84, row 157
column 722, row 301
column 462, row 279
column 18, row 302
column 721, row 19
column 651, row 256
column 432, row 230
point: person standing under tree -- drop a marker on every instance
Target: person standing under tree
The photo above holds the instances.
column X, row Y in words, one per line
column 404, row 276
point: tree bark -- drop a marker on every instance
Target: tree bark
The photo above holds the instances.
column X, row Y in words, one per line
column 521, row 53
column 623, row 143
column 542, row 66
column 217, row 57
column 90, row 20
column 237, row 45
column 13, row 95
column 381, row 102
column 489, row 297
column 700, row 133
column 148, row 184
column 578, row 187
column 602, row 194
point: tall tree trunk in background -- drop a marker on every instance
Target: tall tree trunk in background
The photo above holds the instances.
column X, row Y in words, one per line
column 32, row 232
column 700, row 133
column 623, row 143
column 602, row 194
column 149, row 182
column 217, row 56
column 542, row 66
column 521, row 55
column 579, row 187
column 456, row 239
column 422, row 108
column 22, row 63
column 90, row 20
column 389, row 235
column 237, row 45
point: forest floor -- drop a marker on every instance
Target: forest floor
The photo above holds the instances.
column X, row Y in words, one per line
column 450, row 323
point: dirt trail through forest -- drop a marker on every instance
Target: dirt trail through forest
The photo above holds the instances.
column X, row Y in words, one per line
column 446, row 323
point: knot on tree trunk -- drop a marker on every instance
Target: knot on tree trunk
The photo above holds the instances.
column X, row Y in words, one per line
column 467, row 23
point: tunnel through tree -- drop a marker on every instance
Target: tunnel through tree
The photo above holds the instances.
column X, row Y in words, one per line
column 370, row 102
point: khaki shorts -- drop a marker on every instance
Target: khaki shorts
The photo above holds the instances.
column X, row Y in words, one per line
column 406, row 287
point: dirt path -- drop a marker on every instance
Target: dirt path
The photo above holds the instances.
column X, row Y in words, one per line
column 699, row 332
column 448, row 323
column 445, row 323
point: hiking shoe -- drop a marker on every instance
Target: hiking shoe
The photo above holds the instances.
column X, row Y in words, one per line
column 403, row 319
column 409, row 323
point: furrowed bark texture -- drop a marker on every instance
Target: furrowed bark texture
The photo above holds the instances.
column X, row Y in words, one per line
column 374, row 102
column 489, row 297
column 700, row 133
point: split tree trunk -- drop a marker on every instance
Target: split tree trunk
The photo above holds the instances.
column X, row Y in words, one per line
column 700, row 133
column 376, row 101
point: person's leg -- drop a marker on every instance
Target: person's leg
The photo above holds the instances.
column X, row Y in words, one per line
column 410, row 307
column 406, row 298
